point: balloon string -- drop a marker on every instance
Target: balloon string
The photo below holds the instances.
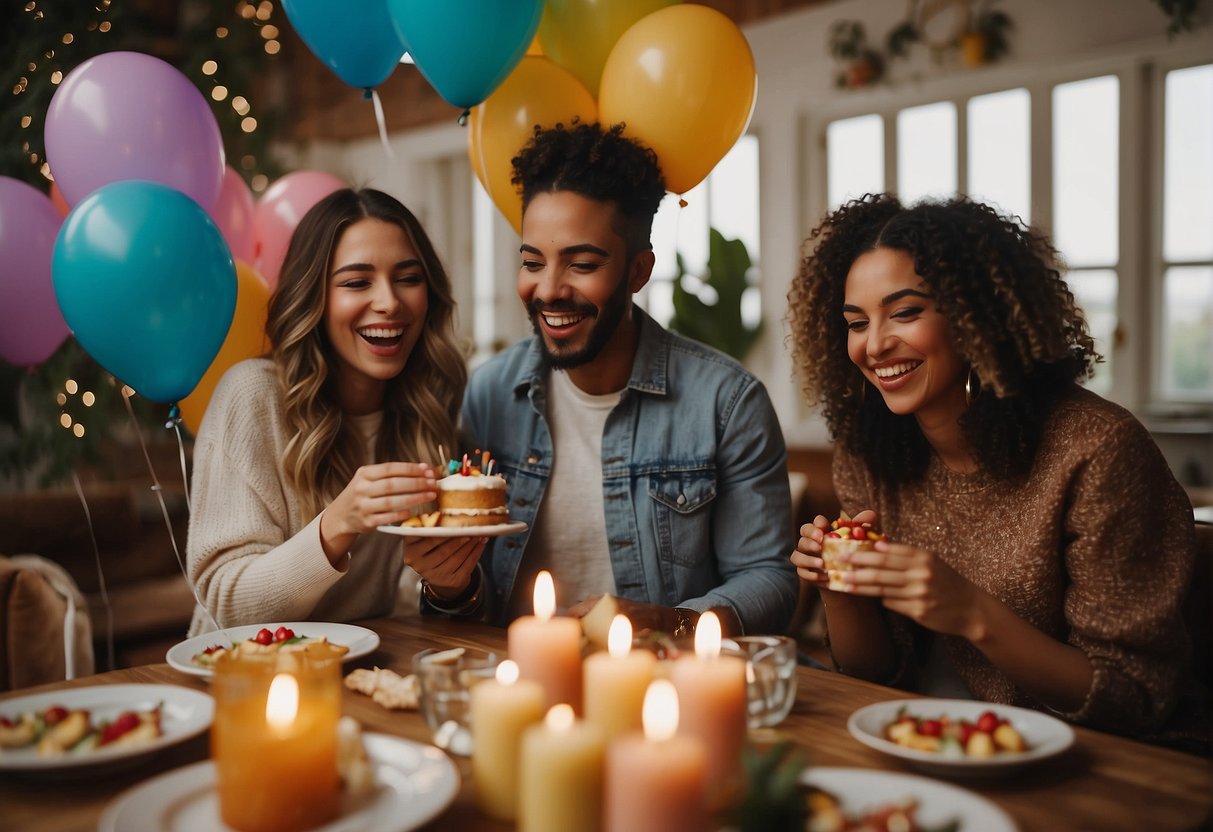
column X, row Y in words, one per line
column 105, row 598
column 382, row 123
column 168, row 523
column 175, row 422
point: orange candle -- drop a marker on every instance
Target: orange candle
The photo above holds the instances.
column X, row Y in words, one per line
column 274, row 741
column 502, row 709
column 547, row 648
column 616, row 681
column 712, row 704
column 655, row 782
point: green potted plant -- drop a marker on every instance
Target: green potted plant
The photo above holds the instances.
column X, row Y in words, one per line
column 718, row 323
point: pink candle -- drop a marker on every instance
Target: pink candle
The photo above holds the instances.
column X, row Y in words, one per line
column 712, row 704
column 548, row 648
column 655, row 782
column 616, row 681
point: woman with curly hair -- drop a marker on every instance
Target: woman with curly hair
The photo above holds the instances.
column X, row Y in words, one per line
column 303, row 453
column 1038, row 547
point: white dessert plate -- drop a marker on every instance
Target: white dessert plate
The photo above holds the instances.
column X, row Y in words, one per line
column 184, row 713
column 860, row 790
column 415, row 783
column 360, row 640
column 456, row 531
column 1044, row 735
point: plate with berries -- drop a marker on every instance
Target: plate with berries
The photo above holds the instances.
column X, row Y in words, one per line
column 960, row 737
column 197, row 655
column 83, row 728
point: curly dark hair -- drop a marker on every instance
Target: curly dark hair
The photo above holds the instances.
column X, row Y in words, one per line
column 599, row 163
column 998, row 284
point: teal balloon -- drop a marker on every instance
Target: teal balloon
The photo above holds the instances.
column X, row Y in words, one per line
column 146, row 284
column 354, row 38
column 466, row 48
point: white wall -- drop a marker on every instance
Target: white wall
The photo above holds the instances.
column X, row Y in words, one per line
column 796, row 95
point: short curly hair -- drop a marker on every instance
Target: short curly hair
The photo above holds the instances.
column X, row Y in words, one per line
column 599, row 163
column 998, row 284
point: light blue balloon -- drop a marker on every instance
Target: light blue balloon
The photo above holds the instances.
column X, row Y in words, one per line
column 147, row 285
column 354, row 38
column 466, row 48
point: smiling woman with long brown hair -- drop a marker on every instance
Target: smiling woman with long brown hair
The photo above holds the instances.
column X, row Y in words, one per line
column 1026, row 560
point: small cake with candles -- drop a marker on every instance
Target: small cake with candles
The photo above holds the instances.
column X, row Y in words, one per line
column 845, row 537
column 471, row 495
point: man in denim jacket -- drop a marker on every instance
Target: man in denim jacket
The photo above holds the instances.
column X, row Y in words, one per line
column 645, row 464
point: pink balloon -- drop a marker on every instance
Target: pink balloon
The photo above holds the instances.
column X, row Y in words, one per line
column 233, row 213
column 126, row 115
column 31, row 325
column 278, row 212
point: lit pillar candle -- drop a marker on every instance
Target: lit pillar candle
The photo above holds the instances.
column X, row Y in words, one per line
column 547, row 648
column 655, row 782
column 561, row 786
column 274, row 741
column 501, row 710
column 712, row 705
column 616, row 681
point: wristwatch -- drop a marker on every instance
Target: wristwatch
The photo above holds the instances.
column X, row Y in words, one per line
column 465, row 604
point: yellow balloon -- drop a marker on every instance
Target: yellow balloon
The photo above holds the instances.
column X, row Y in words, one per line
column 579, row 34
column 683, row 80
column 245, row 339
column 536, row 48
column 536, row 92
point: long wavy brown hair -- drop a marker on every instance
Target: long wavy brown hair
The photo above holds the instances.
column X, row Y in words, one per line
column 421, row 404
column 998, row 284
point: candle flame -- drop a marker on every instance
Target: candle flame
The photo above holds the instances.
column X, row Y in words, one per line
column 560, row 718
column 282, row 704
column 507, row 672
column 707, row 636
column 545, row 596
column 619, row 637
column 660, row 714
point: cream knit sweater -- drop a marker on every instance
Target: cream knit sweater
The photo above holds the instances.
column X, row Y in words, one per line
column 252, row 554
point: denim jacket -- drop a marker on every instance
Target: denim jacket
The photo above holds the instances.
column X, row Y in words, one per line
column 694, row 478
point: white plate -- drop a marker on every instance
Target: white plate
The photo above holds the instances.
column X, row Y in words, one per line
column 185, row 713
column 456, row 531
column 1044, row 735
column 360, row 640
column 861, row 789
column 416, row 782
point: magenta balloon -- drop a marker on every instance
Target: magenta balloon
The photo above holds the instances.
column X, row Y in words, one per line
column 126, row 115
column 278, row 212
column 233, row 213
column 31, row 325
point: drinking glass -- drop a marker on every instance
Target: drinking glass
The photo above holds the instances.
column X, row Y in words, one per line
column 770, row 677
column 444, row 682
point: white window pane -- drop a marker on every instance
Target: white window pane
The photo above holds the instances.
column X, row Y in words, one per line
column 733, row 189
column 1096, row 290
column 681, row 230
column 483, row 291
column 1188, row 332
column 926, row 152
column 1000, row 151
column 1188, row 201
column 1086, row 185
column 855, row 158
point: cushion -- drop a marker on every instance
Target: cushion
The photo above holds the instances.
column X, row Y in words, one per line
column 45, row 634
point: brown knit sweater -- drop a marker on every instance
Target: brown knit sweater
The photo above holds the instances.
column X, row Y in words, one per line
column 1095, row 548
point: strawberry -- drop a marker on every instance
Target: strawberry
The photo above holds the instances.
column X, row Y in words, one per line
column 283, row 634
column 126, row 721
column 987, row 722
column 263, row 636
column 54, row 714
column 930, row 727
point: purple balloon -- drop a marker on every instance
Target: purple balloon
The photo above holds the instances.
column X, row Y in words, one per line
column 31, row 325
column 126, row 115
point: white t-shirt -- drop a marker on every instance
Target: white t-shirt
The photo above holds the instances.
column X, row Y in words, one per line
column 569, row 539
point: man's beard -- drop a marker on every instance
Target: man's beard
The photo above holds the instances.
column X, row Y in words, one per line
column 607, row 321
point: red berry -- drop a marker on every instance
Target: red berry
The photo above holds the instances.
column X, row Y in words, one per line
column 263, row 636
column 987, row 722
column 127, row 721
column 966, row 731
column 54, row 714
column 930, row 727
column 6, row 722
column 283, row 634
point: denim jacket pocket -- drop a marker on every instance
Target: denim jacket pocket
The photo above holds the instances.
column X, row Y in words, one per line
column 682, row 508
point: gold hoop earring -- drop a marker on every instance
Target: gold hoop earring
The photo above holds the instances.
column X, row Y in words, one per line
column 972, row 387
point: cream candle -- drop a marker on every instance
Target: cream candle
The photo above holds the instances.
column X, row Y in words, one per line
column 547, row 648
column 655, row 782
column 712, row 705
column 561, row 786
column 502, row 709
column 615, row 682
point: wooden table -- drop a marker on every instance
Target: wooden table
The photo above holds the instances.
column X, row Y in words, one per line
column 1103, row 783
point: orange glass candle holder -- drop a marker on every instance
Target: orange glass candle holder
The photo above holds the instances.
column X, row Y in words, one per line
column 274, row 740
